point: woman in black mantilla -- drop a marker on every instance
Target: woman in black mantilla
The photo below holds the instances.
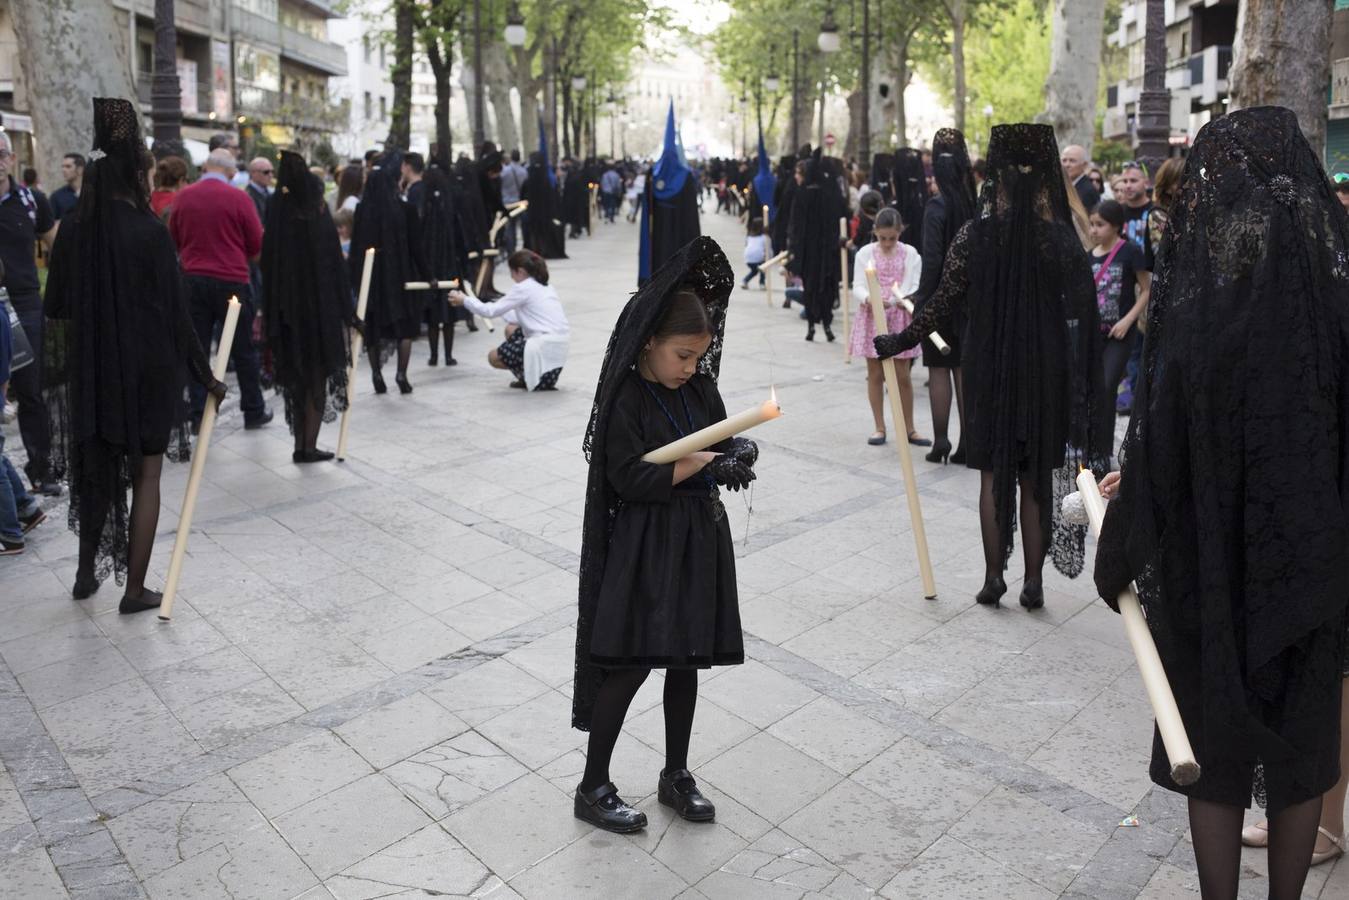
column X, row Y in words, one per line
column 657, row 565
column 123, row 333
column 444, row 249
column 1232, row 515
column 393, row 315
column 817, row 206
column 909, row 182
column 1032, row 363
column 943, row 217
column 307, row 302
column 544, row 232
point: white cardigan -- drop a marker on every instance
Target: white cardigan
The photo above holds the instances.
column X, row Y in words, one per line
column 913, row 268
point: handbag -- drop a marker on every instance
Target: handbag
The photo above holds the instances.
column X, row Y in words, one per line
column 21, row 350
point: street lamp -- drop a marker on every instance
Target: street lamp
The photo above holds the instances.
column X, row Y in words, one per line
column 515, row 26
column 796, row 63
column 829, row 40
column 772, row 82
column 612, row 103
column 578, row 83
column 479, row 127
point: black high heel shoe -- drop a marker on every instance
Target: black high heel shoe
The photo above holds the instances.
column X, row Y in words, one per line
column 810, row 333
column 1033, row 595
column 404, row 386
column 940, row 453
column 991, row 592
column 85, row 585
column 378, row 380
column 828, row 335
column 958, row 458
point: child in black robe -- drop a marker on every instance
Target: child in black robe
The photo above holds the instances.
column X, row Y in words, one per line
column 657, row 564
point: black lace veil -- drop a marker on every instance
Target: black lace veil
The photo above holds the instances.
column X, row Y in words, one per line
column 909, row 182
column 306, row 294
column 955, row 180
column 1033, row 361
column 702, row 267
column 1231, row 515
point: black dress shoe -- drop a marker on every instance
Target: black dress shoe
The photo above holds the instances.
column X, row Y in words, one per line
column 678, row 790
column 991, row 592
column 958, row 458
column 378, row 381
column 828, row 335
column 85, row 586
column 311, row 456
column 810, row 333
column 404, row 386
column 1033, row 595
column 603, row 808
column 258, row 422
column 147, row 600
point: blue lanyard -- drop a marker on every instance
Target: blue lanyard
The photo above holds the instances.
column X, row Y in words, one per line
column 707, row 479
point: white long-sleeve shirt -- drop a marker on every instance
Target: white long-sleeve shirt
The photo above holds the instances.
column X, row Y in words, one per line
column 533, row 306
column 913, row 268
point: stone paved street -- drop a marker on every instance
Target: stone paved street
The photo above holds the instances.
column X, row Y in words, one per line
column 365, row 688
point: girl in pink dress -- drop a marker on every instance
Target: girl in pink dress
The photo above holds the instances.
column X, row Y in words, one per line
column 896, row 264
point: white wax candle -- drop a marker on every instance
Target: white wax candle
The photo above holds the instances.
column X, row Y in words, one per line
column 936, row 339
column 716, row 432
column 1184, row 767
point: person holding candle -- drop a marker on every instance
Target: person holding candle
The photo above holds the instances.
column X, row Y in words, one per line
column 657, row 587
column 896, row 265
column 1031, row 354
column 307, row 305
column 1231, row 516
column 116, row 301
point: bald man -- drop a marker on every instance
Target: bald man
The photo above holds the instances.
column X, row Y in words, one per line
column 259, row 188
column 1076, row 163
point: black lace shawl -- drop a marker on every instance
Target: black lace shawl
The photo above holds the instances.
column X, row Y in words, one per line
column 385, row 222
column 946, row 213
column 544, row 233
column 1232, row 510
column 1031, row 353
column 306, row 295
column 117, row 312
column 882, row 168
column 702, row 267
column 909, row 181
column 813, row 236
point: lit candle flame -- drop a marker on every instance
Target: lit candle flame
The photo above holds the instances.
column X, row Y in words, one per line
column 773, row 395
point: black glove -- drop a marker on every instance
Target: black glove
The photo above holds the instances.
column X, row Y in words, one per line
column 744, row 450
column 888, row 345
column 730, row 472
column 217, row 390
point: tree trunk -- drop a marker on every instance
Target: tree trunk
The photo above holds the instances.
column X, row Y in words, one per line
column 400, row 76
column 439, row 55
column 166, row 97
column 956, row 9
column 852, row 145
column 497, row 73
column 68, row 51
column 1282, row 58
column 824, row 97
column 1074, row 66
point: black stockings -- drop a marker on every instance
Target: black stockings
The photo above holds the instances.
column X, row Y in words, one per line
column 939, row 396
column 311, row 419
column 433, row 333
column 144, row 521
column 404, row 356
column 1215, row 829
column 1035, row 529
column 611, row 707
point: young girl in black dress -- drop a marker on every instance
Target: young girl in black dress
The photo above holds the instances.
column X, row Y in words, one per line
column 657, row 564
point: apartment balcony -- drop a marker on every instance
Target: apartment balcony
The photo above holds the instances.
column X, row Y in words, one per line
column 1208, row 74
column 288, row 109
column 322, row 56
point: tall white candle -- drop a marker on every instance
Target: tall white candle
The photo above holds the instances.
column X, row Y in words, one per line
column 1184, row 767
column 934, row 337
column 716, row 432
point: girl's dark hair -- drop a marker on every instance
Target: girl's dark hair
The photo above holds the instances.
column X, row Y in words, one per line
column 530, row 263
column 888, row 218
column 871, row 202
column 170, row 172
column 755, row 227
column 350, row 183
column 685, row 315
column 1112, row 212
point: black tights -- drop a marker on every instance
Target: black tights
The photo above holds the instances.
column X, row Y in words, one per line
column 143, row 520
column 404, row 356
column 433, row 333
column 611, row 707
column 1215, row 829
column 310, row 414
column 1035, row 529
column 939, row 396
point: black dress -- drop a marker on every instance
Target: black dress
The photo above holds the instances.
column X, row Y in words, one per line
column 817, row 206
column 668, row 598
column 951, row 326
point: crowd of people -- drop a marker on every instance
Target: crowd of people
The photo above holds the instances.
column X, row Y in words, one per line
column 1024, row 282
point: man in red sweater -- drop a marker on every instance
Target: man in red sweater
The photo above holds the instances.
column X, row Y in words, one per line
column 217, row 231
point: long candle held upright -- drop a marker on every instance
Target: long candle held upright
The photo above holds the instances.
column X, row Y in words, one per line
column 1184, row 766
column 843, row 286
column 367, row 269
column 717, row 432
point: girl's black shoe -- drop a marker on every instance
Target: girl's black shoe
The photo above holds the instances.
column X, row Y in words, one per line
column 378, row 381
column 404, row 386
column 940, row 452
column 1033, row 594
column 828, row 335
column 991, row 592
column 679, row 791
column 603, row 808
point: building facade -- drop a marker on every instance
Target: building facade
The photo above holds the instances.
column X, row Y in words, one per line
column 1337, row 128
column 1199, row 39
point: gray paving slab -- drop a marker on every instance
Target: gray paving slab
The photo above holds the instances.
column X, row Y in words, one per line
column 365, row 691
